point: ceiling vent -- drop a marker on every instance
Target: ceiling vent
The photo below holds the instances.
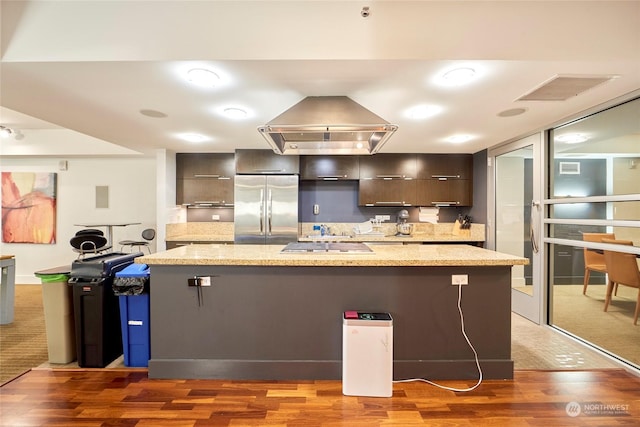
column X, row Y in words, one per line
column 561, row 88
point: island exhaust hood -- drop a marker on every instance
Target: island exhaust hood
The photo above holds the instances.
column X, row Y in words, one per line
column 327, row 125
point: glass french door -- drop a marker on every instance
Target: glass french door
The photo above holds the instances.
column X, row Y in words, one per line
column 516, row 218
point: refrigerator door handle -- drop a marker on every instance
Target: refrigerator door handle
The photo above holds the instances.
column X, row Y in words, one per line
column 261, row 213
column 269, row 211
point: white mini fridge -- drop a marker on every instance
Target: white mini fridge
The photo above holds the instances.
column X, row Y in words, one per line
column 367, row 354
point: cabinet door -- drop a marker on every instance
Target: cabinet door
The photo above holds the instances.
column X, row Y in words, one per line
column 388, row 166
column 387, row 192
column 432, row 166
column 444, row 192
column 204, row 165
column 205, row 191
column 329, row 168
column 265, row 162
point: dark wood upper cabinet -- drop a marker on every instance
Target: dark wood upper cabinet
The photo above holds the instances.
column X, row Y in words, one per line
column 205, row 165
column 444, row 192
column 265, row 162
column 433, row 166
column 205, row 179
column 387, row 192
column 329, row 168
column 392, row 165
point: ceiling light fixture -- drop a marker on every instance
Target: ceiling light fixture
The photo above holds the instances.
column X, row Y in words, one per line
column 458, row 139
column 203, row 77
column 193, row 137
column 235, row 113
column 571, row 138
column 423, row 111
column 458, row 76
column 5, row 132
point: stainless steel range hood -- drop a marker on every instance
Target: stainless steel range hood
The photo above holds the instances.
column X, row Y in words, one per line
column 327, row 125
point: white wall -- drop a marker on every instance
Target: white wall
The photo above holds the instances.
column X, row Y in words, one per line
column 132, row 198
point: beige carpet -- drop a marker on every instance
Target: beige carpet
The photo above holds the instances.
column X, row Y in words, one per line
column 23, row 343
column 584, row 316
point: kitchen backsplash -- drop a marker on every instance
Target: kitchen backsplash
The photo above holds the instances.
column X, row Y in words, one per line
column 195, row 229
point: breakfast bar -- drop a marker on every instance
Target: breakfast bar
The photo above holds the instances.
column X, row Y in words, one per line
column 256, row 312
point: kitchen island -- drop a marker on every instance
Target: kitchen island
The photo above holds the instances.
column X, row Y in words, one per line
column 272, row 315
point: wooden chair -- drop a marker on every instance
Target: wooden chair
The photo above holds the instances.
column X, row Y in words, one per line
column 593, row 261
column 623, row 270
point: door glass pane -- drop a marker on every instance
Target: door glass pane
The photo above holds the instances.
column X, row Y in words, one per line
column 514, row 193
column 598, row 156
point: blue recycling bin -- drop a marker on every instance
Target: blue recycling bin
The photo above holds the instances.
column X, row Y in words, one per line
column 132, row 287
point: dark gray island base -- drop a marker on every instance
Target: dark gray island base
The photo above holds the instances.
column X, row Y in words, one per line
column 285, row 322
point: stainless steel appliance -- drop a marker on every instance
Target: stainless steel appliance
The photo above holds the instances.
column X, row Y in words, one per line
column 403, row 227
column 327, row 125
column 266, row 209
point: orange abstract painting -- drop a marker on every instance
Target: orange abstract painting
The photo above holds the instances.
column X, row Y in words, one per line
column 28, row 207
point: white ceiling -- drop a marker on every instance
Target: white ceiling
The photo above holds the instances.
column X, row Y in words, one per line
column 87, row 68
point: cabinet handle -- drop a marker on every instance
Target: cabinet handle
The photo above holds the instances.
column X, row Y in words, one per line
column 211, row 176
column 445, row 203
column 331, row 177
column 390, row 176
column 389, row 203
column 269, row 170
column 444, row 177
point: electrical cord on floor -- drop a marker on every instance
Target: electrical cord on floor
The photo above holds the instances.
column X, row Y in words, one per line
column 470, row 346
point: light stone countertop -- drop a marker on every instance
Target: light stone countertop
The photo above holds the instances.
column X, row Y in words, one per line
column 382, row 256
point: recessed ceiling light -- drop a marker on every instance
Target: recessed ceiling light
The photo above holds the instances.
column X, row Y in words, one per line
column 202, row 77
column 512, row 112
column 423, row 111
column 193, row 137
column 571, row 138
column 153, row 113
column 457, row 139
column 235, row 113
column 458, row 76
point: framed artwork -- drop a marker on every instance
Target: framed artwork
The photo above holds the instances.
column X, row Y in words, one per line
column 29, row 207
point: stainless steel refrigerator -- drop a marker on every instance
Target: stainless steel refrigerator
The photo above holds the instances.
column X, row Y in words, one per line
column 266, row 209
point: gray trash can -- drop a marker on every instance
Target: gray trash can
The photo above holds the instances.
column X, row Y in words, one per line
column 57, row 301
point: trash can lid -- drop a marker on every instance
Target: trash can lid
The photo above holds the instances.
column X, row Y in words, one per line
column 134, row 270
column 53, row 278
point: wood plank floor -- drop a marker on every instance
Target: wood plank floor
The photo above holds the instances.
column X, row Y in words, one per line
column 91, row 398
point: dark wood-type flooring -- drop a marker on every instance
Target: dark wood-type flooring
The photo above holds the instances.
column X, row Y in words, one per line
column 127, row 397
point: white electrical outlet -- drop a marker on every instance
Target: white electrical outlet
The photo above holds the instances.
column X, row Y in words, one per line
column 215, row 217
column 459, row 279
column 383, row 217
